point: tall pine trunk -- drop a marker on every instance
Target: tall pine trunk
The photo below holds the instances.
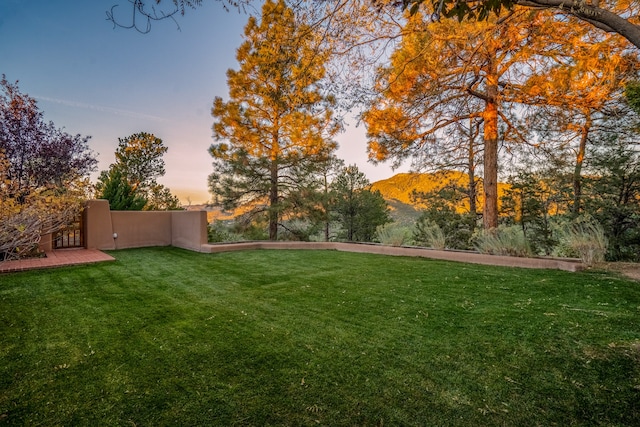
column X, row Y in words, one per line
column 472, row 192
column 471, row 165
column 326, row 213
column 352, row 215
column 273, row 201
column 577, row 171
column 490, row 119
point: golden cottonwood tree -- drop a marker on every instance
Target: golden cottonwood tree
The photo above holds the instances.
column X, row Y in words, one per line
column 611, row 16
column 277, row 126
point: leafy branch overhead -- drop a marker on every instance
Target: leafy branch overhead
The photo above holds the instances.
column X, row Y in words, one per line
column 608, row 15
column 140, row 14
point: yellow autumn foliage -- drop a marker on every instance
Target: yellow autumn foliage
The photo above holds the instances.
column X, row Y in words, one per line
column 25, row 218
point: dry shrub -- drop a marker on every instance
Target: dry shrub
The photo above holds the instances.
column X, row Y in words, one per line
column 586, row 237
column 509, row 241
column 24, row 222
column 394, row 235
column 432, row 236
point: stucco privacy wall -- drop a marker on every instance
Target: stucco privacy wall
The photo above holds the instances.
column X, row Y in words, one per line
column 189, row 229
column 98, row 233
column 106, row 229
column 135, row 229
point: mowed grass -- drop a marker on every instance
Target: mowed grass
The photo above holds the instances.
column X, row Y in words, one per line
column 165, row 336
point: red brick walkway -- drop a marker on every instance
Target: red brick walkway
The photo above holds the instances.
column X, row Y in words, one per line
column 56, row 258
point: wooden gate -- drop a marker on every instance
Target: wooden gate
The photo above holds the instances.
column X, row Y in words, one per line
column 71, row 236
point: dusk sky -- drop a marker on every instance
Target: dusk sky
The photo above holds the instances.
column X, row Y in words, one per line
column 108, row 83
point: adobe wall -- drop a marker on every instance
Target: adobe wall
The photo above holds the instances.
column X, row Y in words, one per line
column 107, row 230
column 46, row 243
column 189, row 229
column 98, row 232
column 136, row 229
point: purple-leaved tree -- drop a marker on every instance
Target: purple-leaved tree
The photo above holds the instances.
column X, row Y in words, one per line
column 43, row 173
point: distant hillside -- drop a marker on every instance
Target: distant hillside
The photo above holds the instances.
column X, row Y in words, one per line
column 399, row 187
column 397, row 191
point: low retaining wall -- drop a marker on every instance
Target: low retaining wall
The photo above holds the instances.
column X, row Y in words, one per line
column 106, row 229
column 568, row 264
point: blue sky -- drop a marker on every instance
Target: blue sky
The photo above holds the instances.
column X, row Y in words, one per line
column 95, row 80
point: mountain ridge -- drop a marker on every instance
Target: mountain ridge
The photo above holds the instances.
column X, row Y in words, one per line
column 401, row 186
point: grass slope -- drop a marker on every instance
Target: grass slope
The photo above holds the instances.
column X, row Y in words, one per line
column 164, row 336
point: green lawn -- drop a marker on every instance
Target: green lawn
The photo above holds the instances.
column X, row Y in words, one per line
column 165, row 336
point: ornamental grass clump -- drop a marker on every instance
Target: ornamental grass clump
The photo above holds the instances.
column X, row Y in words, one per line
column 431, row 235
column 509, row 241
column 587, row 239
column 390, row 234
column 219, row 232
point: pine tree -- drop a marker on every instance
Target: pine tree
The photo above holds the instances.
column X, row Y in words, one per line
column 139, row 157
column 122, row 196
column 130, row 183
column 278, row 123
column 447, row 73
column 357, row 209
column 444, row 74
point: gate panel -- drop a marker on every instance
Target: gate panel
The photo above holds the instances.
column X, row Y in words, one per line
column 71, row 236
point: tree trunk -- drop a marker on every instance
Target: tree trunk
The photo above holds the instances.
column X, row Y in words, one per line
column 273, row 201
column 473, row 208
column 352, row 216
column 471, row 167
column 490, row 119
column 577, row 178
column 326, row 221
